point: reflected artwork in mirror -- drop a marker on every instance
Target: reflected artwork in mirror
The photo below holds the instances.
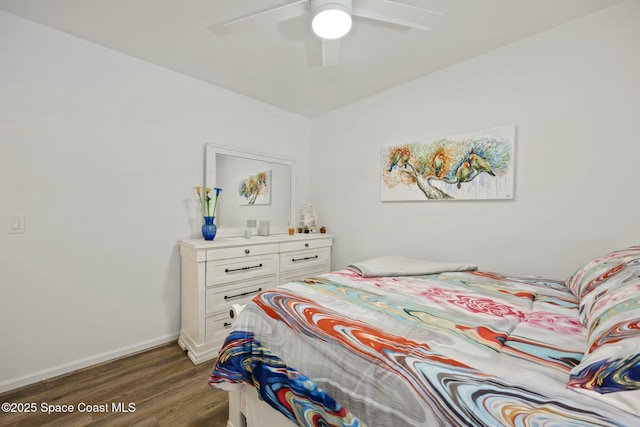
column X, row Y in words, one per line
column 255, row 187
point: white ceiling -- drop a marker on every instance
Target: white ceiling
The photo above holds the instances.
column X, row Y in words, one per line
column 271, row 64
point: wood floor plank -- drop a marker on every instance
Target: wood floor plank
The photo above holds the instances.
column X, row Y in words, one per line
column 162, row 383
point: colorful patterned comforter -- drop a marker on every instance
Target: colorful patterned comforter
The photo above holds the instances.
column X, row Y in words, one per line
column 450, row 349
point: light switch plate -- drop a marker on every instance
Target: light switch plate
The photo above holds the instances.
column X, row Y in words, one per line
column 15, row 224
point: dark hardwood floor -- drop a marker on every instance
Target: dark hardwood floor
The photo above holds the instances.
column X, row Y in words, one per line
column 162, row 384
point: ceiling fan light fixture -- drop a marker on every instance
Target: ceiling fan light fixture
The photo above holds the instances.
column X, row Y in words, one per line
column 331, row 18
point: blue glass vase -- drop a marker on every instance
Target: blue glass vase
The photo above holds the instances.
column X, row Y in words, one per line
column 209, row 229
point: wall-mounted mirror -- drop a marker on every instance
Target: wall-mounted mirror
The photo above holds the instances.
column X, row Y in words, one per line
column 254, row 186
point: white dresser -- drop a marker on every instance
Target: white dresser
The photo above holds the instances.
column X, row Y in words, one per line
column 219, row 273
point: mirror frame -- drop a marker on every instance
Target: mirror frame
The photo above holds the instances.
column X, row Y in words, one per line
column 211, row 154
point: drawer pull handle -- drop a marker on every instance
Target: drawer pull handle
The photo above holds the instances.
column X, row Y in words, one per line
column 246, row 251
column 231, row 270
column 307, row 258
column 244, row 294
column 227, row 324
column 306, row 245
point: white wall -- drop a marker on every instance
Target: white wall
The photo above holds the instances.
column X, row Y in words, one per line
column 574, row 94
column 100, row 152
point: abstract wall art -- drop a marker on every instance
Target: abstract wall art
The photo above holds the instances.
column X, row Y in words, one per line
column 255, row 189
column 477, row 165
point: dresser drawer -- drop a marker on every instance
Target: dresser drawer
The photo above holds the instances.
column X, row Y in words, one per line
column 220, row 298
column 242, row 251
column 217, row 326
column 236, row 269
column 300, row 245
column 303, row 274
column 309, row 258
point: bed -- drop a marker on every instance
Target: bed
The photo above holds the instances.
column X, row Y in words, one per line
column 402, row 342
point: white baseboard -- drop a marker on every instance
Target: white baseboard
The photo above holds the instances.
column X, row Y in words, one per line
column 82, row 363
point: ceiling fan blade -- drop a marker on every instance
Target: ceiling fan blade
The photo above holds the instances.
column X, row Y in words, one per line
column 322, row 53
column 267, row 17
column 330, row 52
column 396, row 13
column 313, row 49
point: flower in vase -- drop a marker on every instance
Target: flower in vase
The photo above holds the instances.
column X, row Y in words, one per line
column 205, row 198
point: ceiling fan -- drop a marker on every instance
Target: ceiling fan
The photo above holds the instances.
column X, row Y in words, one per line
column 332, row 20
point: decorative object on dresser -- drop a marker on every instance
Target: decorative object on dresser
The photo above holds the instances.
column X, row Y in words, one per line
column 263, row 227
column 209, row 228
column 217, row 275
column 309, row 219
column 251, row 224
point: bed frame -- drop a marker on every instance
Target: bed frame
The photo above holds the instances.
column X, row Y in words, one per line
column 246, row 409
